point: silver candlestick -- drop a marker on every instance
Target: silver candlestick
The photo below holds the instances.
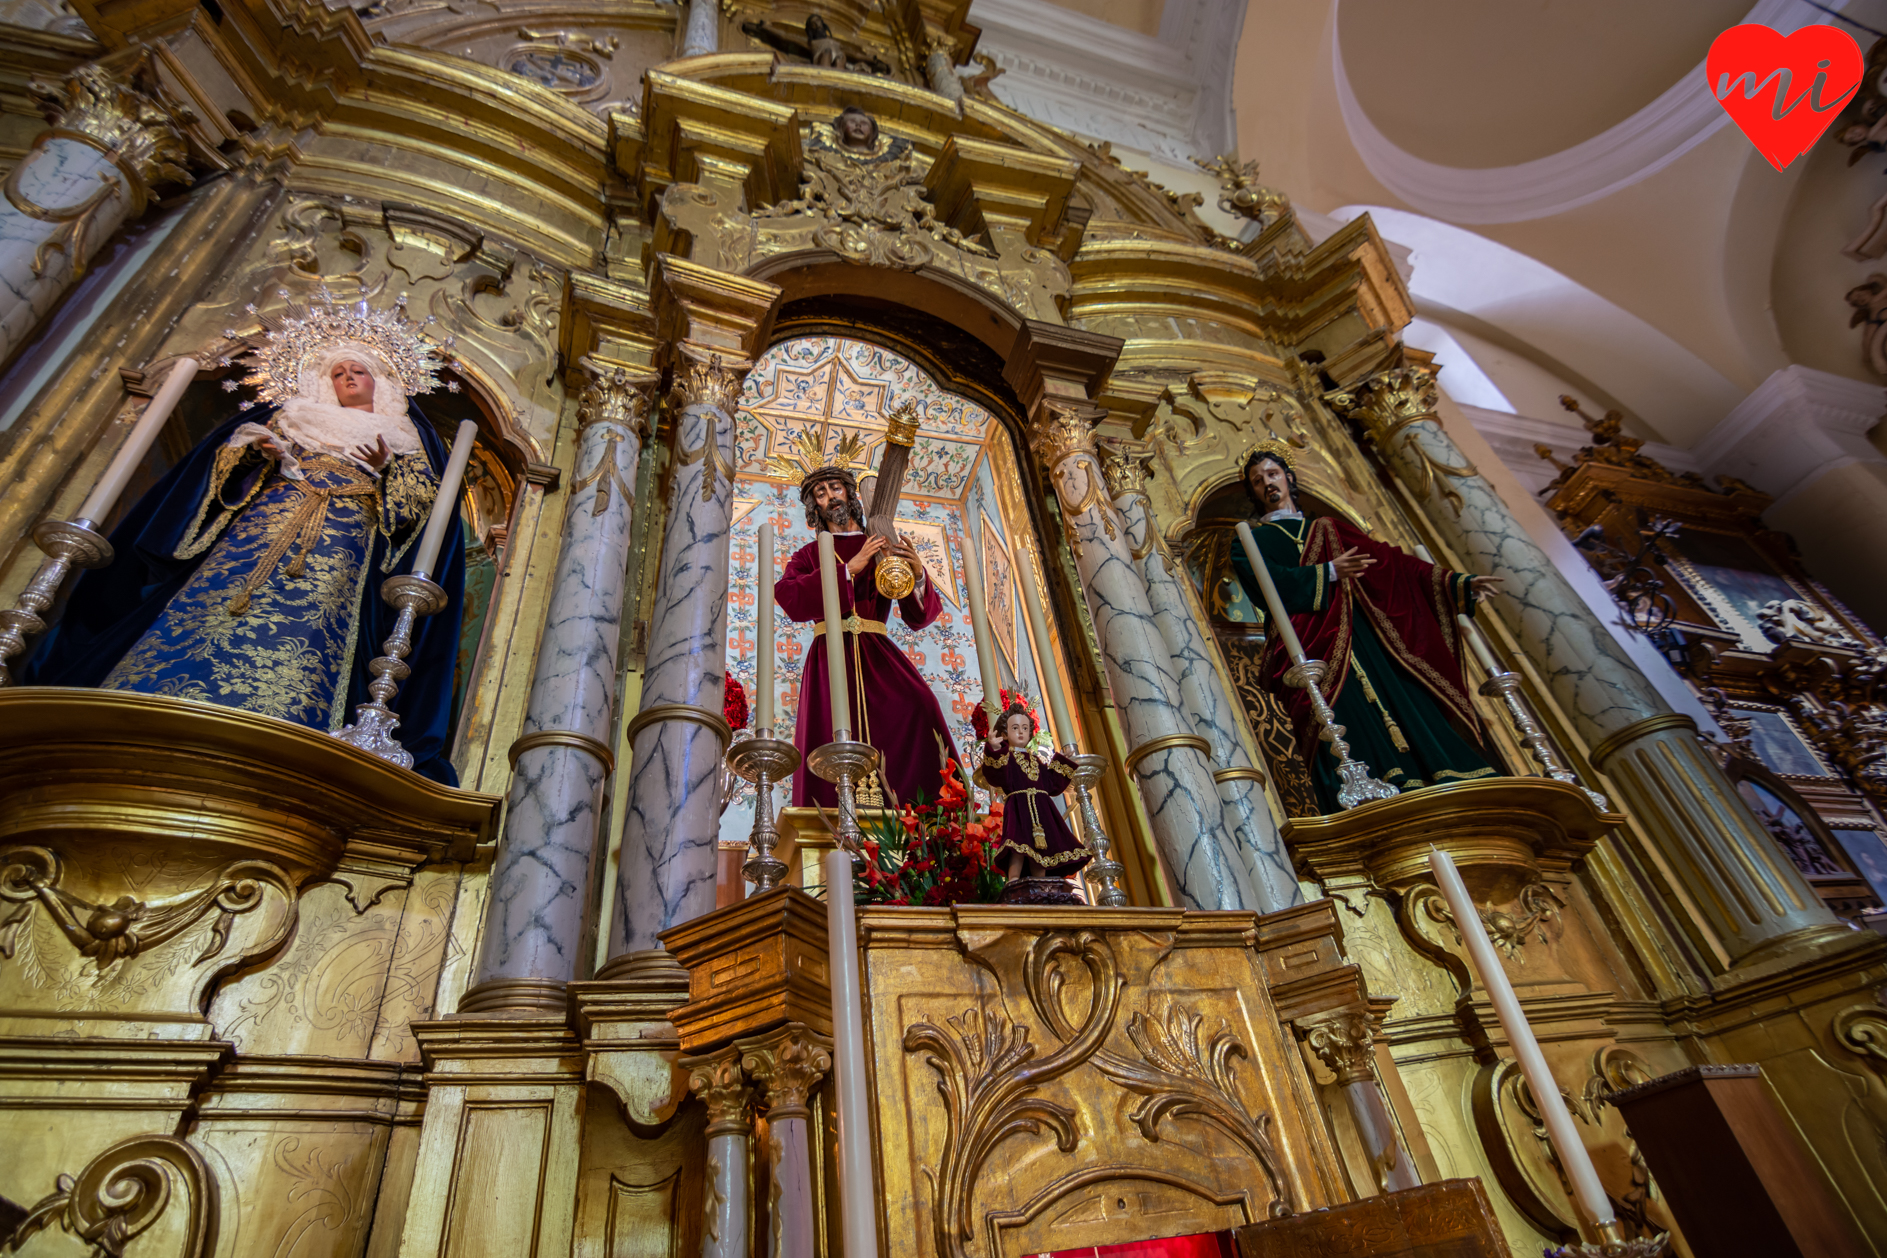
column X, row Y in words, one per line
column 374, row 723
column 1104, row 869
column 1355, row 785
column 842, row 762
column 763, row 760
column 68, row 544
column 1507, row 687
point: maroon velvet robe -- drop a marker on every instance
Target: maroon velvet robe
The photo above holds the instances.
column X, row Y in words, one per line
column 897, row 712
column 1029, row 803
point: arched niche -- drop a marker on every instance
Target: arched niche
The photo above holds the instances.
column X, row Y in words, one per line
column 488, row 499
column 839, row 363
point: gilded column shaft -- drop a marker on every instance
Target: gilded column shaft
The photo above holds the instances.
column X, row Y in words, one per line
column 85, row 177
column 1204, row 701
column 1167, row 756
column 1750, row 893
column 540, row 882
column 672, row 820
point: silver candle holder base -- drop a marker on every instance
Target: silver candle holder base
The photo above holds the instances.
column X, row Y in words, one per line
column 1103, row 869
column 67, row 544
column 1506, row 686
column 1613, row 1243
column 844, row 763
column 374, row 722
column 1355, row 786
column 763, row 760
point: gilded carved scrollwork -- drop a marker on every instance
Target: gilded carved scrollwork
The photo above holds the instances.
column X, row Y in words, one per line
column 1390, row 404
column 1534, row 907
column 1862, row 1029
column 1341, row 1041
column 789, row 1066
column 109, row 933
column 722, row 1086
column 124, row 1191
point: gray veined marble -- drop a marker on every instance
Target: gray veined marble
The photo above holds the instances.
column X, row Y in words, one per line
column 1208, row 706
column 1182, row 801
column 541, row 880
column 59, row 175
column 672, row 819
column 1590, row 677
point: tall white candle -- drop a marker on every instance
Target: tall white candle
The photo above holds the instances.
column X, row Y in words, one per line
column 1421, row 552
column 1273, row 603
column 1552, row 1106
column 763, row 661
column 1050, row 666
column 858, row 1198
column 446, row 505
column 835, row 635
column 104, row 495
column 1479, row 646
column 979, row 615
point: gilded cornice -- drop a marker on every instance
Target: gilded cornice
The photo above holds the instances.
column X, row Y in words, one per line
column 687, row 125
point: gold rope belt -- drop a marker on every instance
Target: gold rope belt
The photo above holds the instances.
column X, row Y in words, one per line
column 855, row 624
column 304, row 524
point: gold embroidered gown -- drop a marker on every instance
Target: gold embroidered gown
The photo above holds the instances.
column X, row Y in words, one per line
column 269, row 622
column 1031, row 824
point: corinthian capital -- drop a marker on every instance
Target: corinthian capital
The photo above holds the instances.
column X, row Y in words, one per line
column 722, row 1086
column 1390, row 400
column 122, row 112
column 1342, row 1042
column 1061, row 429
column 1126, row 464
column 789, row 1064
column 617, row 393
column 703, row 378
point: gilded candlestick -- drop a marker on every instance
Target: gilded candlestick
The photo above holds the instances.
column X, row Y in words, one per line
column 763, row 760
column 1104, row 869
column 374, row 723
column 68, row 544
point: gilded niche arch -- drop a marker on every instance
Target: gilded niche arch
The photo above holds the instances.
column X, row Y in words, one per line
column 833, row 372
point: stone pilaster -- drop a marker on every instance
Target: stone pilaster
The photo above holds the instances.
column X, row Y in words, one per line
column 112, row 138
column 1166, row 757
column 702, row 35
column 1204, row 700
column 541, row 881
column 713, row 323
column 1752, row 898
column 789, row 1064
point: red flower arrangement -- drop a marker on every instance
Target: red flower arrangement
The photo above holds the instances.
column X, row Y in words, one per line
column 734, row 704
column 979, row 716
column 932, row 854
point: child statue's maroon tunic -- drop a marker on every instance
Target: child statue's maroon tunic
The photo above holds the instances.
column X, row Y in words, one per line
column 1031, row 824
column 892, row 707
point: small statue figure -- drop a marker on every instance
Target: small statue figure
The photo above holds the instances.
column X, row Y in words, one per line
column 817, row 45
column 1037, row 844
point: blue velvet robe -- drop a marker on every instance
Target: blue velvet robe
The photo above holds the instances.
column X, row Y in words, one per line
column 158, row 618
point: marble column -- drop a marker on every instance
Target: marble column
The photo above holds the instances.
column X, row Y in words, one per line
column 1166, row 756
column 541, row 880
column 1753, row 899
column 1204, row 699
column 940, row 66
column 722, row 1086
column 788, row 1064
column 112, row 138
column 672, row 813
column 702, row 35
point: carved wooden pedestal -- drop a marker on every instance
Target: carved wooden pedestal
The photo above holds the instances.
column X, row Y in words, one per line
column 1451, row 1219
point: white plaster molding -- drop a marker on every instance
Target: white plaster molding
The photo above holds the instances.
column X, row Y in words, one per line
column 1513, row 437
column 1169, row 95
column 1622, row 155
column 1793, row 429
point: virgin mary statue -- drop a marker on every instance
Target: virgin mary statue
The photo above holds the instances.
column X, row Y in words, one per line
column 249, row 575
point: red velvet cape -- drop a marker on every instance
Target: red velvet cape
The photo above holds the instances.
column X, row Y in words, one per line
column 1410, row 604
